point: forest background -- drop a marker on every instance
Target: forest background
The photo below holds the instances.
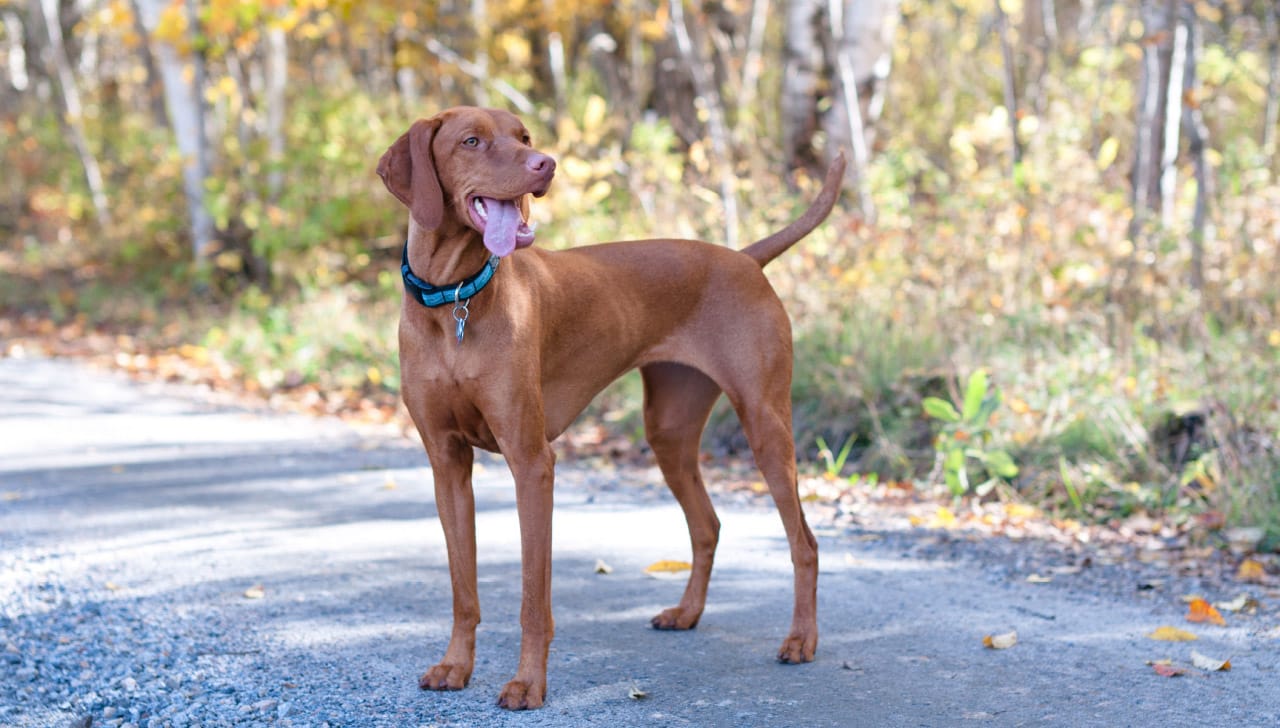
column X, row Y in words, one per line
column 1052, row 278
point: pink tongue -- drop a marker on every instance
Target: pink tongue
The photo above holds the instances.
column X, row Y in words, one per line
column 501, row 226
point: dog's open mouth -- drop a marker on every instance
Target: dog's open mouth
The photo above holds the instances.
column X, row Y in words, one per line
column 501, row 223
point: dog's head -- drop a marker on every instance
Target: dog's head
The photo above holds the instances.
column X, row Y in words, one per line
column 471, row 166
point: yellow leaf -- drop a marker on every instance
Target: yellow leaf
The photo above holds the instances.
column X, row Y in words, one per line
column 1000, row 641
column 667, row 569
column 1107, row 152
column 255, row 592
column 1037, row 579
column 1251, row 570
column 1172, row 634
column 1021, row 510
column 944, row 518
column 602, row 567
column 593, row 117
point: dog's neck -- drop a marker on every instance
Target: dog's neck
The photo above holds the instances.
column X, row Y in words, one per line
column 443, row 256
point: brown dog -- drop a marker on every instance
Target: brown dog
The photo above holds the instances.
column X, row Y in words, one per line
column 505, row 360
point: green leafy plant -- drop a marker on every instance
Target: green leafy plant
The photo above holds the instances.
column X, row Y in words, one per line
column 833, row 462
column 964, row 439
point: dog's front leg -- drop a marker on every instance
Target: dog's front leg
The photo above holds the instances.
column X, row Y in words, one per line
column 533, row 467
column 451, row 461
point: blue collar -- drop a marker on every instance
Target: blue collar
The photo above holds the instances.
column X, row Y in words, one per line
column 433, row 296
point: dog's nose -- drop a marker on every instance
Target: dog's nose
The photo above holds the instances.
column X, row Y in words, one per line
column 541, row 164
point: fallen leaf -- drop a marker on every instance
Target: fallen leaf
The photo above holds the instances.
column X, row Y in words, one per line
column 636, row 693
column 111, row 586
column 255, row 592
column 602, row 567
column 1208, row 664
column 667, row 569
column 1037, row 579
column 1172, row 634
column 1000, row 641
column 944, row 518
column 1251, row 570
column 1166, row 670
column 1202, row 611
column 1239, row 604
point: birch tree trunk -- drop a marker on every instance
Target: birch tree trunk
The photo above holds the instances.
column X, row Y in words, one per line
column 15, row 54
column 277, row 79
column 813, row 52
column 867, row 42
column 72, row 113
column 1153, row 92
column 1197, row 144
column 803, row 64
column 184, row 99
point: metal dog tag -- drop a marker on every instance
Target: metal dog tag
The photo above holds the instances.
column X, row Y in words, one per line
column 461, row 311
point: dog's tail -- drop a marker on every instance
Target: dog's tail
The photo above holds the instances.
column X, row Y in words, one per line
column 771, row 247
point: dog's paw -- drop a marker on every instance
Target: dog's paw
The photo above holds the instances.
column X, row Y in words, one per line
column 445, row 677
column 798, row 648
column 521, row 695
column 675, row 618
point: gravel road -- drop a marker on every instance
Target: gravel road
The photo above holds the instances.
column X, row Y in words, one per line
column 168, row 561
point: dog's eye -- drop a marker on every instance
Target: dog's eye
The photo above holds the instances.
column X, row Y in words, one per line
column 471, row 142
column 526, row 139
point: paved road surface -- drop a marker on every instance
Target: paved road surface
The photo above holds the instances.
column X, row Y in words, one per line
column 135, row 519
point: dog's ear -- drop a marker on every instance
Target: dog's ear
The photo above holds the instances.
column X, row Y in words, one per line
column 408, row 169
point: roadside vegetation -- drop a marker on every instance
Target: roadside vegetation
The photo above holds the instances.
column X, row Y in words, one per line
column 992, row 311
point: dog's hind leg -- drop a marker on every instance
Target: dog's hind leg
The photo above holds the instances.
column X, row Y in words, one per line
column 762, row 398
column 677, row 402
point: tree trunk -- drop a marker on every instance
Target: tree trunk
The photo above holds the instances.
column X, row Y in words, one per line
column 184, row 100
column 752, row 63
column 1153, row 90
column 1272, row 116
column 803, row 67
column 1010, row 78
column 277, row 80
column 16, row 53
column 847, row 91
column 812, row 55
column 1173, row 122
column 867, row 42
column 1197, row 143
column 155, row 87
column 72, row 115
